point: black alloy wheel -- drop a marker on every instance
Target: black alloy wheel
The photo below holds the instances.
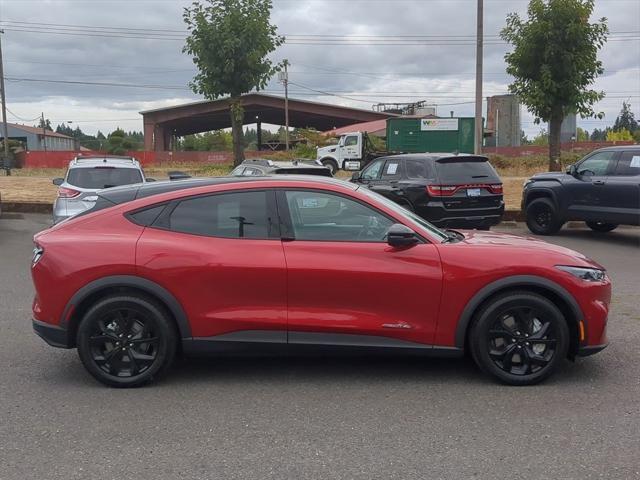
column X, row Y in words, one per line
column 520, row 338
column 542, row 218
column 125, row 341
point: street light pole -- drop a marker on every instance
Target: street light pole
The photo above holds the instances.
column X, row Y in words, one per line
column 286, row 104
column 479, row 131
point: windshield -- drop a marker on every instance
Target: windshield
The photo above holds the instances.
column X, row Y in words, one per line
column 103, row 177
column 435, row 231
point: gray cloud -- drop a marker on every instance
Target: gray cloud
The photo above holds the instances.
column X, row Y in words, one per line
column 442, row 74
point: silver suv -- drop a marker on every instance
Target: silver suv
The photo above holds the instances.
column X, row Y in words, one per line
column 86, row 175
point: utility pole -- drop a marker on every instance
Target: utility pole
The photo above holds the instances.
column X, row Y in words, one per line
column 285, row 80
column 6, row 164
column 479, row 43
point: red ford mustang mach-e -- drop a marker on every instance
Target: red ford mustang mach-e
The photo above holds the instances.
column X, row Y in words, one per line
column 207, row 265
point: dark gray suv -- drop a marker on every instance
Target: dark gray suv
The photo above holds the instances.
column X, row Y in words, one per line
column 602, row 189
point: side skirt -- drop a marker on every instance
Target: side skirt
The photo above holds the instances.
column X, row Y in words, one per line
column 269, row 342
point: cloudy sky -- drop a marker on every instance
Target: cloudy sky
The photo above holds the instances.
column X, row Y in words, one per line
column 398, row 51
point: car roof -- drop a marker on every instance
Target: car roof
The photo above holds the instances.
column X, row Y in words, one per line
column 616, row 148
column 127, row 193
column 433, row 156
column 108, row 160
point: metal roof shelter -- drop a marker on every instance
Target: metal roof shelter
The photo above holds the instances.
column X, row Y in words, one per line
column 163, row 124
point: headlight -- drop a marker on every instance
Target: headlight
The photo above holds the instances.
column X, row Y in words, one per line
column 526, row 183
column 584, row 273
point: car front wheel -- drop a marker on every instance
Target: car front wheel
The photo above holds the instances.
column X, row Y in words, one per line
column 542, row 218
column 126, row 341
column 601, row 226
column 519, row 338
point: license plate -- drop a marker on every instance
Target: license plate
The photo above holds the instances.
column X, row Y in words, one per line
column 352, row 165
column 473, row 192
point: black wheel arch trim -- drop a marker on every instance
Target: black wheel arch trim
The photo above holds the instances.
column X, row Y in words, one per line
column 516, row 281
column 139, row 283
column 548, row 192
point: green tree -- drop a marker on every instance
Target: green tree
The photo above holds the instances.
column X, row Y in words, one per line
column 541, row 139
column 619, row 135
column 44, row 123
column 554, row 60
column 118, row 143
column 229, row 41
column 626, row 120
column 582, row 135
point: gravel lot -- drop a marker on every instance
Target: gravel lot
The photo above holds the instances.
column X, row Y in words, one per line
column 315, row 418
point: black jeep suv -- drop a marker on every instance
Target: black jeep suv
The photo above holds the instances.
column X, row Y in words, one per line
column 602, row 189
column 449, row 190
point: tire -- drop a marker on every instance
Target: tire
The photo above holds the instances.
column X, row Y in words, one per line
column 542, row 217
column 503, row 338
column 601, row 226
column 114, row 329
column 330, row 164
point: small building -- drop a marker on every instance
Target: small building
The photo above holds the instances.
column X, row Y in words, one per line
column 35, row 139
column 503, row 120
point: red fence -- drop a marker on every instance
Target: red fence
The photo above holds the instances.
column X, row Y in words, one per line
column 60, row 159
column 527, row 150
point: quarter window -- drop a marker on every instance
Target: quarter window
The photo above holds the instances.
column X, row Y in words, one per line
column 416, row 169
column 598, row 164
column 328, row 217
column 228, row 215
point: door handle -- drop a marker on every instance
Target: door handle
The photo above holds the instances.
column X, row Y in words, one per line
column 598, row 182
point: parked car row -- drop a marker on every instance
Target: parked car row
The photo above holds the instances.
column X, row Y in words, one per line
column 448, row 190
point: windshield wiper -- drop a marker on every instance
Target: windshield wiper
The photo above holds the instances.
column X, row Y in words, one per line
column 452, row 236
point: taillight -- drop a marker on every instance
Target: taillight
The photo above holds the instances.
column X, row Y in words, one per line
column 497, row 188
column 441, row 190
column 64, row 192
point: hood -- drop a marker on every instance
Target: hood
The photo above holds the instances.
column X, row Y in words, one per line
column 326, row 150
column 528, row 245
column 558, row 176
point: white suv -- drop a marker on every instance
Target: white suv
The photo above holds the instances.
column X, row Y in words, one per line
column 86, row 175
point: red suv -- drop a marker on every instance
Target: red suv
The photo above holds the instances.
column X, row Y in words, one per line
column 201, row 266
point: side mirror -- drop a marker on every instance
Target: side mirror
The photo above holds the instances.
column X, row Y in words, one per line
column 148, row 179
column 355, row 176
column 400, row 235
column 571, row 170
column 58, row 181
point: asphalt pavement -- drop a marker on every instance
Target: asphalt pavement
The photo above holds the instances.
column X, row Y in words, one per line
column 319, row 418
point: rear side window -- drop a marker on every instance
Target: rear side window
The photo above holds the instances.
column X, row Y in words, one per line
column 392, row 169
column 228, row 215
column 103, row 177
column 461, row 171
column 629, row 164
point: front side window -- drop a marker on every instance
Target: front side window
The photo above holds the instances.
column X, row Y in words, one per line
column 598, row 164
column 372, row 172
column 227, row 215
column 236, row 172
column 629, row 164
column 328, row 217
column 351, row 141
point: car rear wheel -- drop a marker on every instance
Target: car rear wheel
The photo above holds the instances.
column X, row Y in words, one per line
column 519, row 338
column 542, row 218
column 601, row 226
column 126, row 341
